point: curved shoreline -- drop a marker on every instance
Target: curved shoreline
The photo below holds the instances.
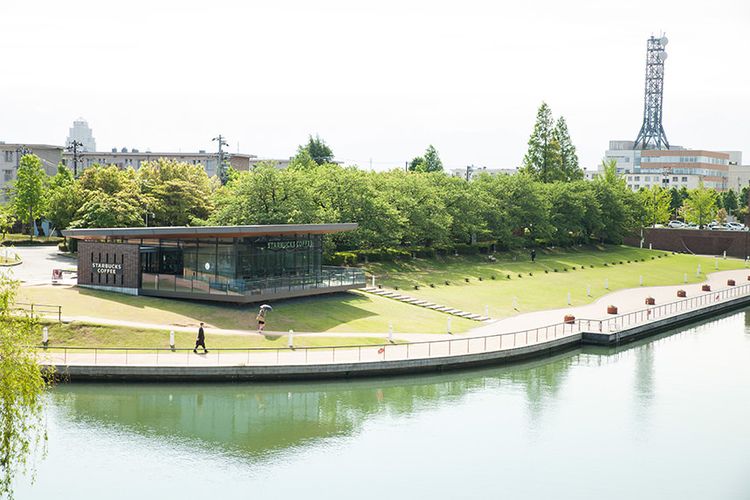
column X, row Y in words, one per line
column 587, row 331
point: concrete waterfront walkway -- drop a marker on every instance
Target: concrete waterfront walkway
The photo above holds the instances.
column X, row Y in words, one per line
column 523, row 336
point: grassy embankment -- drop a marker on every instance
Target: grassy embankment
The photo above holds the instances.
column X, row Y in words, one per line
column 361, row 313
column 342, row 312
column 536, row 289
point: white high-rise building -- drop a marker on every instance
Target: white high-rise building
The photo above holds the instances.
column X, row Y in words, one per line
column 81, row 132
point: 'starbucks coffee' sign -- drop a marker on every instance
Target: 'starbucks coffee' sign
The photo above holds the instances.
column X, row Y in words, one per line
column 284, row 245
column 104, row 268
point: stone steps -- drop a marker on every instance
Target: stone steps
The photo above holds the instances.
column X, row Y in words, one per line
column 423, row 303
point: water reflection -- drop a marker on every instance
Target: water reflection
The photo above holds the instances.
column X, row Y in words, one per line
column 258, row 420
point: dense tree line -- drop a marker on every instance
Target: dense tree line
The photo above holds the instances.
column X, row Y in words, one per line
column 546, row 203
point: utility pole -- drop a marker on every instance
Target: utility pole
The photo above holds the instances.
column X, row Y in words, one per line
column 221, row 170
column 74, row 145
column 469, row 170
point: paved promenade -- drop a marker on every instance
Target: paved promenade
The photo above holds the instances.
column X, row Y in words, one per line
column 520, row 336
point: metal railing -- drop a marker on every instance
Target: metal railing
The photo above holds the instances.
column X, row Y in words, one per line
column 276, row 356
column 271, row 356
column 657, row 312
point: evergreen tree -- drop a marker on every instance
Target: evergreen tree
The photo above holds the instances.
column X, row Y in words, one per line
column 430, row 162
column 542, row 160
column 317, row 149
column 569, row 168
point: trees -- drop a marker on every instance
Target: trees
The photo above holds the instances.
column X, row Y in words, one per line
column 22, row 388
column 317, row 149
column 179, row 194
column 63, row 199
column 265, row 196
column 700, row 206
column 551, row 155
column 656, row 202
column 569, row 168
column 729, row 201
column 28, row 190
column 620, row 209
column 7, row 219
column 429, row 162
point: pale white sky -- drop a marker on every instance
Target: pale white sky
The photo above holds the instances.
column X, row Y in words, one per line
column 378, row 80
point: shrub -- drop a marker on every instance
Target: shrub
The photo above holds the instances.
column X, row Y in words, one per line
column 519, row 275
column 508, row 276
column 480, row 278
column 447, row 282
column 492, row 277
column 605, row 264
column 546, row 271
column 466, row 280
column 416, row 287
column 531, row 274
column 591, row 266
column 565, row 269
column 554, row 270
column 432, row 285
column 620, row 262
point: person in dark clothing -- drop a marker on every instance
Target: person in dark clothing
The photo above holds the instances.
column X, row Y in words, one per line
column 200, row 341
column 533, row 255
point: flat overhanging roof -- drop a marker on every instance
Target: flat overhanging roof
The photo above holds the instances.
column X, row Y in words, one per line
column 206, row 231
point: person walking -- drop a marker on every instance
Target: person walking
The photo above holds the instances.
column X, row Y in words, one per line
column 200, row 341
column 533, row 254
column 261, row 319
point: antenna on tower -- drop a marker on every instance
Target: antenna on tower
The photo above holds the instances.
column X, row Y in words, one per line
column 652, row 135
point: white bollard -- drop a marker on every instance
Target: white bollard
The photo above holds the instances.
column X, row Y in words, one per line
column 716, row 263
column 684, row 278
column 606, row 283
column 588, row 290
column 640, row 280
column 171, row 339
column 290, row 341
column 725, row 255
column 568, row 298
column 698, row 272
column 390, row 333
column 45, row 336
column 373, row 281
column 449, row 325
column 649, row 246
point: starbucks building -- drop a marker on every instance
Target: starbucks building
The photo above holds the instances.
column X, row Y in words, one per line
column 224, row 263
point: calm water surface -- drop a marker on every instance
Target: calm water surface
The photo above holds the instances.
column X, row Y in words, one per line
column 667, row 418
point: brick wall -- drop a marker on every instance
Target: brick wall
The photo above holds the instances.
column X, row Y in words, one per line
column 735, row 243
column 108, row 264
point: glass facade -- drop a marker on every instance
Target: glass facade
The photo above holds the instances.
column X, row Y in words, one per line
column 248, row 266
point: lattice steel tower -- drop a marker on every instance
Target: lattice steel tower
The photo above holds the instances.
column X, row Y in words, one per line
column 652, row 134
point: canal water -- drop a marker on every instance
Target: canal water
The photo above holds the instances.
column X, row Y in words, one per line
column 664, row 418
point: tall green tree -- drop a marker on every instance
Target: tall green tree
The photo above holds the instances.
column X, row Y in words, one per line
column 317, row 149
column 729, row 201
column 429, row 162
column 542, row 160
column 656, row 202
column 569, row 168
column 22, row 387
column 700, row 206
column 28, row 191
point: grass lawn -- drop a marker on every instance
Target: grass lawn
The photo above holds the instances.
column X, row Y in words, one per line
column 342, row 312
column 541, row 290
column 87, row 335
